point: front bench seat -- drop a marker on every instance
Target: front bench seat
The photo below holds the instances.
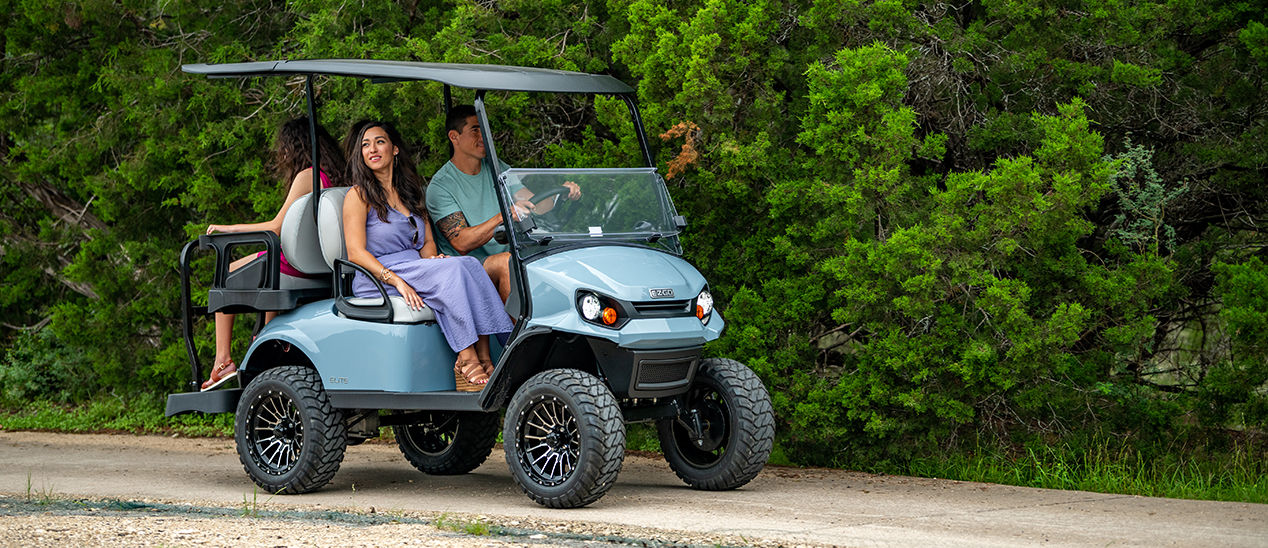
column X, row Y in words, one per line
column 330, row 228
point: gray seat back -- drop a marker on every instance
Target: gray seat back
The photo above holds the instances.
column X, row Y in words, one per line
column 300, row 241
column 330, row 227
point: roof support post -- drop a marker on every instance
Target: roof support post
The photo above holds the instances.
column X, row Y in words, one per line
column 312, row 143
column 638, row 129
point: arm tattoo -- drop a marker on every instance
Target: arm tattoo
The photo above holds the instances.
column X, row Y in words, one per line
column 452, row 225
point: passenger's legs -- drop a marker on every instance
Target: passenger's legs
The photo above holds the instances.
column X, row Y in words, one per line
column 486, row 358
column 223, row 364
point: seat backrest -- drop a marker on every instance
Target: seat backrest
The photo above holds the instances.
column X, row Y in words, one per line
column 330, row 227
column 300, row 242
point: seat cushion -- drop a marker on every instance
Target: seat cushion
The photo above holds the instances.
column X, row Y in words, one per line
column 296, row 282
column 401, row 312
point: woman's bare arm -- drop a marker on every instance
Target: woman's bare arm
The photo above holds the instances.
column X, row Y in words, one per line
column 354, row 215
column 301, row 185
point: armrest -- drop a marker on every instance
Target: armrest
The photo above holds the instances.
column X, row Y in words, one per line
column 223, row 244
column 343, row 288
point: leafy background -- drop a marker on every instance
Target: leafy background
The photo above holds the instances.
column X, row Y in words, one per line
column 931, row 227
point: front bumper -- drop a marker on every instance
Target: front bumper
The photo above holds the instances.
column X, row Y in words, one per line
column 633, row 373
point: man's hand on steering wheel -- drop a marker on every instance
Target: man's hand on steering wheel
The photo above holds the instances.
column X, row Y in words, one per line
column 522, row 208
column 574, row 191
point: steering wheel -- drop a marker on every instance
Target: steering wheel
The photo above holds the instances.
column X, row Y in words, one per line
column 561, row 214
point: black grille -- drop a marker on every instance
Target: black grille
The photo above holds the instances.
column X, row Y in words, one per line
column 664, row 308
column 662, row 372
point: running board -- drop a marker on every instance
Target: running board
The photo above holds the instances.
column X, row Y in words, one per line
column 212, row 401
column 450, row 400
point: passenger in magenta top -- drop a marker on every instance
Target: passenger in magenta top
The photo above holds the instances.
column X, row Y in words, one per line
column 292, row 159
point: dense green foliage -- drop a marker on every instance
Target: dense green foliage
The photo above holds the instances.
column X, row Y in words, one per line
column 930, row 227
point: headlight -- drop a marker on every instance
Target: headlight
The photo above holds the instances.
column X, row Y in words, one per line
column 704, row 305
column 598, row 310
column 591, row 308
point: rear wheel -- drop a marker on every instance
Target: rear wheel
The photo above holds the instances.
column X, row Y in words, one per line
column 565, row 438
column 738, row 428
column 290, row 440
column 447, row 443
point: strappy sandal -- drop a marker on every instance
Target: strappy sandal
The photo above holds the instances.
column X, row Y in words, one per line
column 488, row 368
column 221, row 373
column 469, row 376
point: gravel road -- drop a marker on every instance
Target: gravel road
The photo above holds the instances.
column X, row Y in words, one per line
column 102, row 490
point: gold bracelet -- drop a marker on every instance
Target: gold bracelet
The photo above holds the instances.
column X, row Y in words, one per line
column 385, row 274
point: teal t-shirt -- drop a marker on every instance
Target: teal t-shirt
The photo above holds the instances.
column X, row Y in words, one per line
column 451, row 191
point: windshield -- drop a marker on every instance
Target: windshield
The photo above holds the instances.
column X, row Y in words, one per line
column 626, row 205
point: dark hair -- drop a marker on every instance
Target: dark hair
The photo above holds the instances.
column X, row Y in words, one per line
column 409, row 186
column 352, row 146
column 456, row 120
column 292, row 154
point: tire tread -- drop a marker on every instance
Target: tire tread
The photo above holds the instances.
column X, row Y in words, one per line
column 327, row 454
column 752, row 434
column 597, row 411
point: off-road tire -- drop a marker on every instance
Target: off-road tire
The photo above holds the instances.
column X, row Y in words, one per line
column 449, row 443
column 729, row 390
column 591, row 429
column 290, row 440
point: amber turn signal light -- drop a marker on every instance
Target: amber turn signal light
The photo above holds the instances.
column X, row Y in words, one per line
column 609, row 316
column 700, row 312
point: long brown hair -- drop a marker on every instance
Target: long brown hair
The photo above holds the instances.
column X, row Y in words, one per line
column 292, row 154
column 409, row 186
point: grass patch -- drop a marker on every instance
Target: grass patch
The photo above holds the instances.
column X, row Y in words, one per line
column 139, row 416
column 1237, row 474
column 641, row 436
column 472, row 527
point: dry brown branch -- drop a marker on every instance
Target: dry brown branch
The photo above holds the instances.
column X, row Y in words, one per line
column 690, row 132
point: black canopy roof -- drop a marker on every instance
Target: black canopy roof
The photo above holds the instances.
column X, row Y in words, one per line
column 486, row 77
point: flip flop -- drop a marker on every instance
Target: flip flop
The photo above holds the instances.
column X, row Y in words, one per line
column 221, row 373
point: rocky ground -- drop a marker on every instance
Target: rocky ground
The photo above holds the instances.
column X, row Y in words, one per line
column 35, row 520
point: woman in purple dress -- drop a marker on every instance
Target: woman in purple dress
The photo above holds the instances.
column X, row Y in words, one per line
column 386, row 232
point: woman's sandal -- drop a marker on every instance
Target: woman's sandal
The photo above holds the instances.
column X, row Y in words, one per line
column 488, row 368
column 221, row 373
column 469, row 376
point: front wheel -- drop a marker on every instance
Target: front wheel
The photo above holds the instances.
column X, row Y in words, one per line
column 738, row 428
column 290, row 440
column 448, row 443
column 565, row 438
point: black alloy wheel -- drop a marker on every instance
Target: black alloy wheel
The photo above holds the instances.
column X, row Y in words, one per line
column 552, row 444
column 737, row 428
column 446, row 443
column 289, row 439
column 564, row 437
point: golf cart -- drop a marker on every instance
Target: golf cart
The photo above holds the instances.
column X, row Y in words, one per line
column 609, row 327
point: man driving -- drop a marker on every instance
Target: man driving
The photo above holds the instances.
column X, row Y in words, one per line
column 463, row 189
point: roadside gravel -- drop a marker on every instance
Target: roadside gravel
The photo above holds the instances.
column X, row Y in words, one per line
column 37, row 521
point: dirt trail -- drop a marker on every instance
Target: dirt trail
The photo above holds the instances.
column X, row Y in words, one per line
column 783, row 505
